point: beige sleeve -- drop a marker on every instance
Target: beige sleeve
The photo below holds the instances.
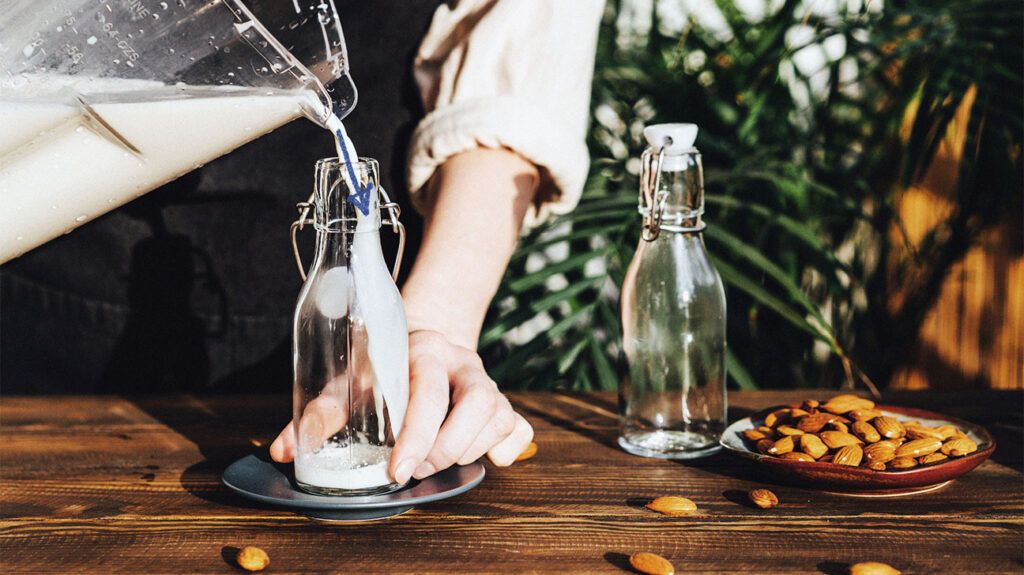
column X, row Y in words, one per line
column 512, row 74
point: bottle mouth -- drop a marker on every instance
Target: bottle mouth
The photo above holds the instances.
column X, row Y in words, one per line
column 339, row 187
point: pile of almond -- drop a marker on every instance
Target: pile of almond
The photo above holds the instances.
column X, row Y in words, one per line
column 847, row 430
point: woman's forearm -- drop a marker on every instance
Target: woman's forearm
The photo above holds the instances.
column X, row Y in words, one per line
column 477, row 202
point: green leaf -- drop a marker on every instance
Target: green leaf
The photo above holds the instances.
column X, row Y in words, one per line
column 537, row 278
column 737, row 372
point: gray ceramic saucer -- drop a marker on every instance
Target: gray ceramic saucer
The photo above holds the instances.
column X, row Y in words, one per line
column 273, row 483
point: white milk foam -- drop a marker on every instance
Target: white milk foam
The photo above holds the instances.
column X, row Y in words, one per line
column 355, row 466
column 63, row 162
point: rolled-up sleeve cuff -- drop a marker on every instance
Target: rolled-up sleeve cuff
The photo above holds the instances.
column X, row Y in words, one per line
column 517, row 124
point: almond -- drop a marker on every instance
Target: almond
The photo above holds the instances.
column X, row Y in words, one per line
column 776, row 417
column 841, row 404
column 848, row 455
column 252, row 559
column 815, row 422
column 672, row 505
column 947, row 431
column 838, row 426
column 863, row 414
column 872, row 568
column 932, row 458
column 797, row 413
column 889, row 427
column 767, row 431
column 754, row 435
column 902, row 463
column 788, row 430
column 837, row 439
column 651, row 564
column 922, row 432
column 881, row 452
column 919, row 447
column 527, row 453
column 763, row 445
column 810, row 404
column 784, row 445
column 763, row 498
column 796, row 456
column 866, row 431
column 813, row 446
column 876, row 465
column 959, row 446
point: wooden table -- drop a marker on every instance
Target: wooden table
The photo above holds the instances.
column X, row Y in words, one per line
column 132, row 485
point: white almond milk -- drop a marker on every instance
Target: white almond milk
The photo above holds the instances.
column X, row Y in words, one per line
column 62, row 164
column 356, row 466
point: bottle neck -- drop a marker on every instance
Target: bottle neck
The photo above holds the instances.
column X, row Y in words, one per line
column 672, row 191
column 341, row 195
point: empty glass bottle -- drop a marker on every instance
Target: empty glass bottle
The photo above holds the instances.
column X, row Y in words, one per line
column 350, row 346
column 673, row 404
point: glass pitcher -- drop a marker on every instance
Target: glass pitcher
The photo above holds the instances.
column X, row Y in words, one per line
column 101, row 102
column 351, row 344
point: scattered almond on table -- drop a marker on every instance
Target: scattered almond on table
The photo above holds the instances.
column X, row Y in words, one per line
column 672, row 505
column 252, row 559
column 651, row 564
column 848, row 430
column 872, row 568
column 763, row 498
column 527, row 453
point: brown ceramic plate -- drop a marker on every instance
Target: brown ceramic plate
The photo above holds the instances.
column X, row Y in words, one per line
column 860, row 481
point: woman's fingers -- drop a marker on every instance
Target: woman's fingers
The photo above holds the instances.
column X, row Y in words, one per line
column 505, row 453
column 322, row 418
column 475, row 400
column 283, row 448
column 428, row 404
column 501, row 425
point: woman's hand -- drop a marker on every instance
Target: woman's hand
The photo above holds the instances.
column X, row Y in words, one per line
column 477, row 202
column 481, row 420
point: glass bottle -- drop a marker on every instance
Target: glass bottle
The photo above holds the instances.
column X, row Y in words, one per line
column 673, row 403
column 350, row 346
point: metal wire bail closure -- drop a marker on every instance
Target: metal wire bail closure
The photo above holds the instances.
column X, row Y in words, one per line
column 652, row 198
column 394, row 213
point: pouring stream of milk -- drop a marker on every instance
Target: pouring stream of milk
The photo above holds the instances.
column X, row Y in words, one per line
column 377, row 298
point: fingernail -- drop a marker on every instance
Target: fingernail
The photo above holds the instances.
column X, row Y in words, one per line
column 426, row 469
column 404, row 470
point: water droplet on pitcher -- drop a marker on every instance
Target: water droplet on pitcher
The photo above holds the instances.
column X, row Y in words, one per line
column 156, row 16
column 163, row 5
column 60, row 28
column 81, row 218
column 27, row 51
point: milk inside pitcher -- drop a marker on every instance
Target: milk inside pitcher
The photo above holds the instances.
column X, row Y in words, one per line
column 102, row 102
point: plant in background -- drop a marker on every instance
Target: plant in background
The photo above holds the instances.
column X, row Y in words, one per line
column 801, row 107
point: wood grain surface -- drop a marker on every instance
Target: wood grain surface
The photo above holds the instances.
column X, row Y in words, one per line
column 132, row 485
